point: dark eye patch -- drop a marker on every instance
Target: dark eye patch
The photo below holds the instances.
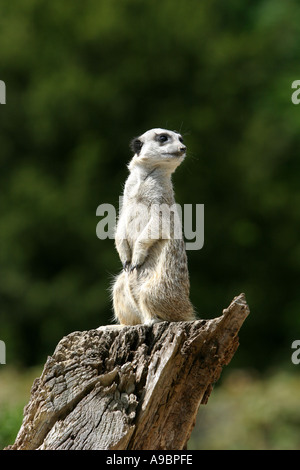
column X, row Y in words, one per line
column 161, row 138
column 136, row 145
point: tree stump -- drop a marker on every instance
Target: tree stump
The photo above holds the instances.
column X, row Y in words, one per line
column 135, row 388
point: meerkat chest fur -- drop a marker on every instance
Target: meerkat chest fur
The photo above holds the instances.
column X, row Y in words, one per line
column 145, row 193
column 149, row 185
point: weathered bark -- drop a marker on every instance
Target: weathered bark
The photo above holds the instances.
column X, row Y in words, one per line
column 135, row 388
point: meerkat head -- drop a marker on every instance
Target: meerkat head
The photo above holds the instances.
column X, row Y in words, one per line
column 158, row 148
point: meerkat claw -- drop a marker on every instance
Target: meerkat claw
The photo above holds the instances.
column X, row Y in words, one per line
column 132, row 268
column 126, row 265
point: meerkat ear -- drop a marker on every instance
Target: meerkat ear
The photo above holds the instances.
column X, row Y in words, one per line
column 136, row 145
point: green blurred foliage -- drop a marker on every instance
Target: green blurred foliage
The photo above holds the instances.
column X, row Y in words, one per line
column 250, row 412
column 82, row 79
column 14, row 395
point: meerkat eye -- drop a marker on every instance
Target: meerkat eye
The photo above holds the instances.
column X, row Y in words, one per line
column 162, row 138
column 180, row 139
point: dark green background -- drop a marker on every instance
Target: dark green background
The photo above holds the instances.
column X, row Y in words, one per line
column 82, row 79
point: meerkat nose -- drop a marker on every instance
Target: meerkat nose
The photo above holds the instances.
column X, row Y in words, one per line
column 182, row 149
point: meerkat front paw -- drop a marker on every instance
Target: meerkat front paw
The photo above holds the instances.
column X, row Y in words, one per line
column 126, row 265
column 124, row 252
column 133, row 267
column 138, row 260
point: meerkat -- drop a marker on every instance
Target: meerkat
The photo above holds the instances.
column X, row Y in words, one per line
column 154, row 283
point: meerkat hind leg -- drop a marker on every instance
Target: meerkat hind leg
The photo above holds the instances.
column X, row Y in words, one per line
column 110, row 327
column 124, row 308
column 147, row 310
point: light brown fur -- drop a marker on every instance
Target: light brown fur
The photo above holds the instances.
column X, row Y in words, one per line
column 154, row 284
